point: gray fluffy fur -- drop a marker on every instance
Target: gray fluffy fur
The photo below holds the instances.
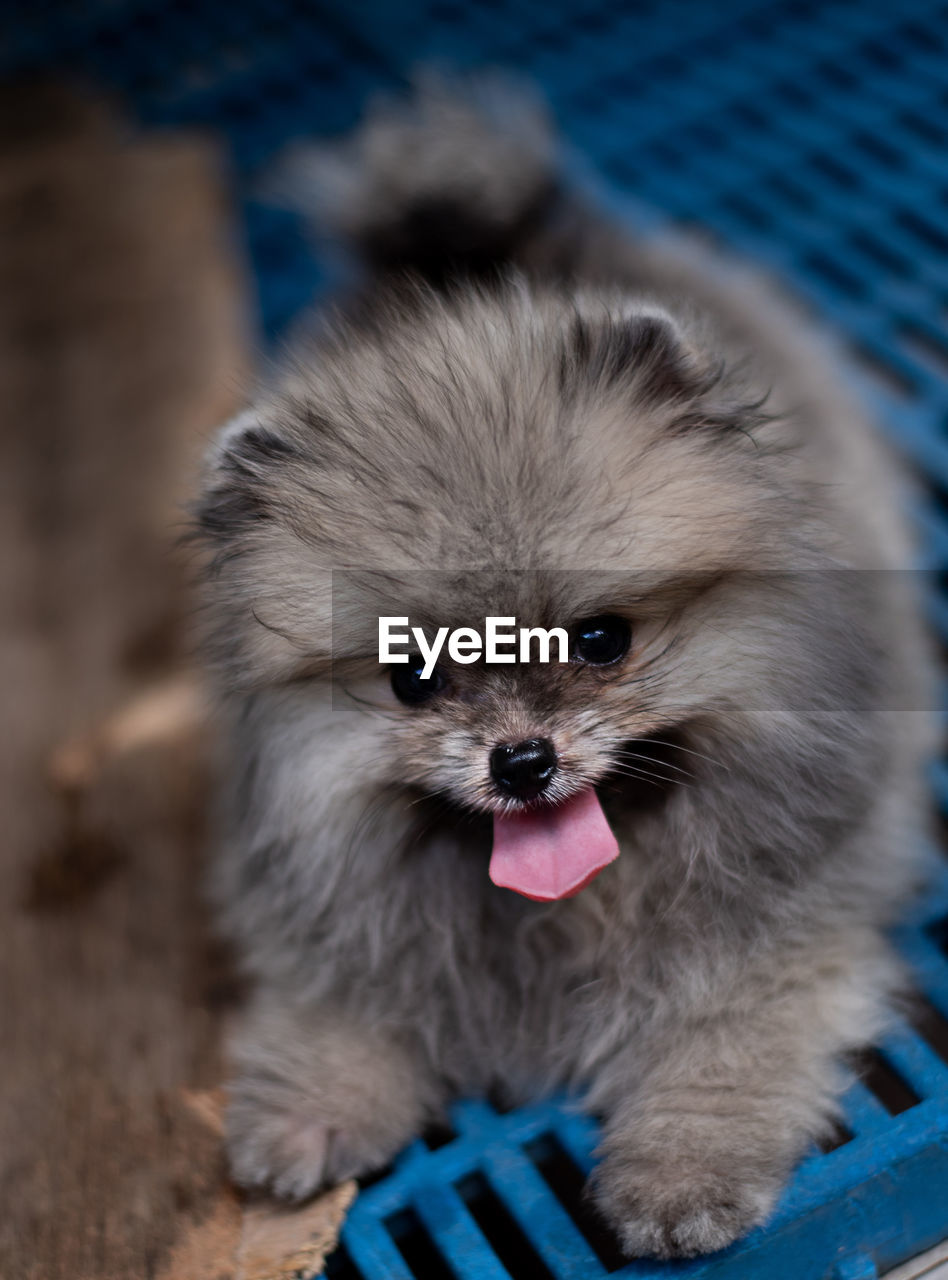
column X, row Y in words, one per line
column 647, row 432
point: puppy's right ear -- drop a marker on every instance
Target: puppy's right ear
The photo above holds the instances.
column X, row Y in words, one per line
column 269, row 593
column 238, row 485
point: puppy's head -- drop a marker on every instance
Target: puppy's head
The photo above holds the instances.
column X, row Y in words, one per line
column 574, row 463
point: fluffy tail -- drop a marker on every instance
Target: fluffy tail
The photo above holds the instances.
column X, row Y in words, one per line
column 456, row 179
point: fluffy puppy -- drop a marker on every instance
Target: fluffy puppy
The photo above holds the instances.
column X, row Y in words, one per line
column 523, row 412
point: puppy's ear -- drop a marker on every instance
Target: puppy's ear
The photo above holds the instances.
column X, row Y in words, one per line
column 664, row 368
column 644, row 348
column 238, row 481
column 272, row 612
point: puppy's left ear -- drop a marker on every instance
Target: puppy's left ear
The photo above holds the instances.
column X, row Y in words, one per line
column 664, row 368
column 636, row 347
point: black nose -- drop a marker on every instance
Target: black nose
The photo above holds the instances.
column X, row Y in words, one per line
column 524, row 770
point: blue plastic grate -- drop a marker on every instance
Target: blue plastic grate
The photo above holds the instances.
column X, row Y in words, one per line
column 810, row 136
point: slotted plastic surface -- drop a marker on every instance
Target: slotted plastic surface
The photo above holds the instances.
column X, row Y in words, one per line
column 810, row 136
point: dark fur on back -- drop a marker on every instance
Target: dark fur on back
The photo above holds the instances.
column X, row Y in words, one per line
column 597, row 427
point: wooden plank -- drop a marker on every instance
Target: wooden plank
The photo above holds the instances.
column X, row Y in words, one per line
column 123, row 341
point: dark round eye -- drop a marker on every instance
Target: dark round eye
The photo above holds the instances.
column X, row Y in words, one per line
column 408, row 684
column 601, row 640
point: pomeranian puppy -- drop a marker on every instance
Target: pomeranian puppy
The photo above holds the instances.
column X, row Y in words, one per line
column 656, row 874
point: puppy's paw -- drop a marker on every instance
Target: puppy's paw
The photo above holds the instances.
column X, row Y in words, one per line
column 292, row 1146
column 682, row 1206
column 316, row 1100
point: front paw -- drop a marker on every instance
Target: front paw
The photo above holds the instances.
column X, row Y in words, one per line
column 317, row 1099
column 292, row 1145
column 681, row 1205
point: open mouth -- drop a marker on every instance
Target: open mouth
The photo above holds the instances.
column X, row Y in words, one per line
column 546, row 849
column 552, row 851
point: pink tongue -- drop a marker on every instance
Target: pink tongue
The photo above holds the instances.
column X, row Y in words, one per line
column 552, row 852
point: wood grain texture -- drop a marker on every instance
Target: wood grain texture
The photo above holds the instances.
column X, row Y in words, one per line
column 123, row 341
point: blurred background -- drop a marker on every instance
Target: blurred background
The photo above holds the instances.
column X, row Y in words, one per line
column 144, row 278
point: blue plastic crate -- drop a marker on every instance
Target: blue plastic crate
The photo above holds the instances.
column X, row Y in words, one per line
column 811, row 136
